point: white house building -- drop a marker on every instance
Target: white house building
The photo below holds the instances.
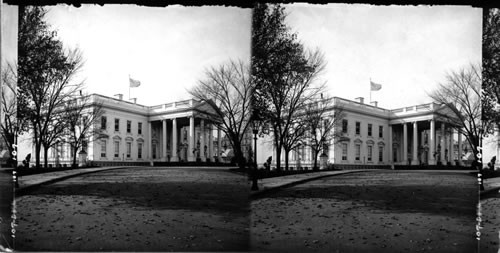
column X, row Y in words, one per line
column 413, row 135
column 131, row 133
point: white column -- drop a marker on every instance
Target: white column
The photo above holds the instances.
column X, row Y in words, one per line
column 150, row 146
column 219, row 145
column 191, row 140
column 452, row 151
column 443, row 144
column 405, row 144
column 391, row 159
column 459, row 156
column 432, row 143
column 414, row 160
column 164, row 140
column 202, row 141
column 175, row 158
column 210, row 143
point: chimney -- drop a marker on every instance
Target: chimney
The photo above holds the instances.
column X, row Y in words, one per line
column 374, row 103
column 119, row 96
column 360, row 100
column 134, row 99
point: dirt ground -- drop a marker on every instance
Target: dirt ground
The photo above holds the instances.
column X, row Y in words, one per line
column 391, row 211
column 6, row 197
column 138, row 209
column 490, row 222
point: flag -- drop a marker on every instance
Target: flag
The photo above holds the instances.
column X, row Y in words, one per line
column 375, row 86
column 134, row 83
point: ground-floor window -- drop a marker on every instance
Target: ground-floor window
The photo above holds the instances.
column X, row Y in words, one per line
column 344, row 151
column 117, row 149
column 103, row 148
column 139, row 150
column 129, row 149
column 370, row 153
column 154, row 151
column 380, row 153
column 358, row 151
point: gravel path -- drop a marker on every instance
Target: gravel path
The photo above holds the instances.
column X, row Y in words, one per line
column 490, row 215
column 391, row 211
column 138, row 209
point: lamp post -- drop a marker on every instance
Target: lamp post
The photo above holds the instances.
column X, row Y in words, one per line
column 255, row 130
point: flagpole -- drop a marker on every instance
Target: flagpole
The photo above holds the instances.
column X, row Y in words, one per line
column 370, row 90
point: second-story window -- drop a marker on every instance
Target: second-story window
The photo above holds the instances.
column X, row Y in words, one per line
column 369, row 129
column 103, row 122
column 117, row 125
column 344, row 126
column 129, row 126
column 380, row 131
column 358, row 128
column 139, row 128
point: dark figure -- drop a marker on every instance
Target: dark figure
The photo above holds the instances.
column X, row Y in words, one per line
column 26, row 161
column 267, row 164
column 491, row 164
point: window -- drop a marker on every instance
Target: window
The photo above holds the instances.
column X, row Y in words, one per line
column 117, row 125
column 117, row 149
column 369, row 153
column 380, row 153
column 103, row 122
column 358, row 151
column 139, row 128
column 380, row 131
column 369, row 129
column 129, row 126
column 344, row 151
column 103, row 148
column 344, row 126
column 129, row 149
column 358, row 128
column 139, row 150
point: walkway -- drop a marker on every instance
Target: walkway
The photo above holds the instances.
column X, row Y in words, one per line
column 274, row 183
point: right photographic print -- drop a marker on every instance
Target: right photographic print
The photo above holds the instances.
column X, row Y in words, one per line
column 489, row 206
column 383, row 105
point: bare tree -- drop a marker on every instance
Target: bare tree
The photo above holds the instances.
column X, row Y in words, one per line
column 323, row 122
column 287, row 95
column 227, row 90
column 9, row 124
column 81, row 115
column 45, row 76
column 461, row 96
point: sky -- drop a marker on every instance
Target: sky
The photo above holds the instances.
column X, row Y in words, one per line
column 407, row 49
column 168, row 49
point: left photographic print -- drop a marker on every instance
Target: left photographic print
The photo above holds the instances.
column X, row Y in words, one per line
column 8, row 55
column 129, row 134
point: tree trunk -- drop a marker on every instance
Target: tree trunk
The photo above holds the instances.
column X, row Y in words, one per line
column 287, row 167
column 38, row 148
column 74, row 165
column 278, row 158
column 315, row 155
column 45, row 156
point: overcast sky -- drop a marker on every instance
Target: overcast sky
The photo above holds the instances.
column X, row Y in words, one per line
column 166, row 48
column 406, row 49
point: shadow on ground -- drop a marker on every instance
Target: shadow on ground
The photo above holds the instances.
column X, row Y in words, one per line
column 196, row 196
column 400, row 195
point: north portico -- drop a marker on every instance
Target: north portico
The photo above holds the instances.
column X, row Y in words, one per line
column 423, row 135
column 182, row 131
